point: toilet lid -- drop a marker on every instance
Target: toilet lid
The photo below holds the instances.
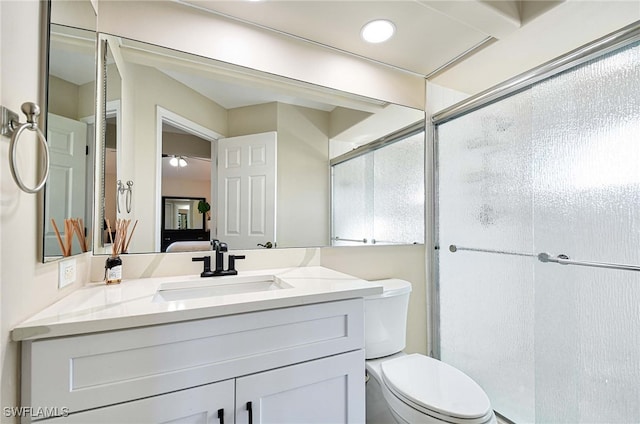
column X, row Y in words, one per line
column 436, row 386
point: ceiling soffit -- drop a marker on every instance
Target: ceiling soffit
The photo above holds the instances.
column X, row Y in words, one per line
column 429, row 33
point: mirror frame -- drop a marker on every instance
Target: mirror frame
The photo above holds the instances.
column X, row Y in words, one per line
column 45, row 50
column 100, row 142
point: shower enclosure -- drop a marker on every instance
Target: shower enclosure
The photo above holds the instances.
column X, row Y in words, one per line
column 538, row 238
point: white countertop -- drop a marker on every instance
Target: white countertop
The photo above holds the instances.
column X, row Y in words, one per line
column 100, row 307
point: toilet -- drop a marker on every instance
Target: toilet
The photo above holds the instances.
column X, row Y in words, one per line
column 412, row 388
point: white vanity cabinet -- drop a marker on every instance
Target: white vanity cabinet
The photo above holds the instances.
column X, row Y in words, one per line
column 320, row 391
column 293, row 365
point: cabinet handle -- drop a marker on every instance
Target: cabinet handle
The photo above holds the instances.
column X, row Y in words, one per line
column 221, row 416
column 250, row 409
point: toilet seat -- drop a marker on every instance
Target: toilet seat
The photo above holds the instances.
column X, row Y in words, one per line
column 430, row 387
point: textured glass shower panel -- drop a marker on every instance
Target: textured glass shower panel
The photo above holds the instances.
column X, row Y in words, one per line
column 586, row 132
column 486, row 299
column 352, row 201
column 398, row 194
column 484, row 178
column 486, row 305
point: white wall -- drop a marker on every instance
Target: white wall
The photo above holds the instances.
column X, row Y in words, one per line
column 74, row 13
column 380, row 262
column 26, row 285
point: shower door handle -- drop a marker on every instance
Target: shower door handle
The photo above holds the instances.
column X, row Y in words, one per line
column 547, row 258
column 565, row 260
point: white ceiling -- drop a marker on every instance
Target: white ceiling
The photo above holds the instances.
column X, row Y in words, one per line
column 429, row 33
column 506, row 37
column 425, row 38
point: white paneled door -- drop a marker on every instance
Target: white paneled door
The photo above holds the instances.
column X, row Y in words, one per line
column 65, row 196
column 247, row 190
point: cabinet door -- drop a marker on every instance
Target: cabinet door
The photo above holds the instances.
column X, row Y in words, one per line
column 209, row 404
column 328, row 390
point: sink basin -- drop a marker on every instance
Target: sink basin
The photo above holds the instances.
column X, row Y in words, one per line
column 218, row 286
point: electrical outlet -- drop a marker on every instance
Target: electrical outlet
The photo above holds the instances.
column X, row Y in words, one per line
column 67, row 272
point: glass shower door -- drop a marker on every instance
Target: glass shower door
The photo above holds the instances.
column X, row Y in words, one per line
column 485, row 202
column 552, row 169
column 587, row 207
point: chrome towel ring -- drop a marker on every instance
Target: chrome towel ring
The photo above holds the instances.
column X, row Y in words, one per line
column 15, row 128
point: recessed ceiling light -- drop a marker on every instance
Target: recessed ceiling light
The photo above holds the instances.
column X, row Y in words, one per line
column 378, row 31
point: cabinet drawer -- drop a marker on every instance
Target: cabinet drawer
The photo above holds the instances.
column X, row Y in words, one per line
column 201, row 404
column 88, row 371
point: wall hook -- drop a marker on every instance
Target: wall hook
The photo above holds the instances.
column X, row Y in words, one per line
column 121, row 190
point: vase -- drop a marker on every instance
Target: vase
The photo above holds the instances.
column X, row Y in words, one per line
column 113, row 270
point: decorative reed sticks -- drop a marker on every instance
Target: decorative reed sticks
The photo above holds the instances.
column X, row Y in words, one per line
column 71, row 226
column 120, row 244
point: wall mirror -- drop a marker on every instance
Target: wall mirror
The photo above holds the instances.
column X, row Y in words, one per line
column 256, row 147
column 70, row 123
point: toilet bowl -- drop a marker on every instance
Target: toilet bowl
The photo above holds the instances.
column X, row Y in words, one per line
column 412, row 388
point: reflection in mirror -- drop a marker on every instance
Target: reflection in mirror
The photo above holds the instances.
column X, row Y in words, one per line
column 70, row 122
column 378, row 192
column 264, row 144
column 182, row 214
column 183, row 220
column 186, row 179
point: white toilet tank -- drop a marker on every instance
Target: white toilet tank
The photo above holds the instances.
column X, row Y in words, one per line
column 385, row 319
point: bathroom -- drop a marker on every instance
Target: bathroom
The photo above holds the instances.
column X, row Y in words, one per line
column 27, row 285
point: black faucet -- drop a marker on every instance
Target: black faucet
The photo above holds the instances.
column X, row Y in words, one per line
column 220, row 248
column 207, row 266
column 232, row 264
